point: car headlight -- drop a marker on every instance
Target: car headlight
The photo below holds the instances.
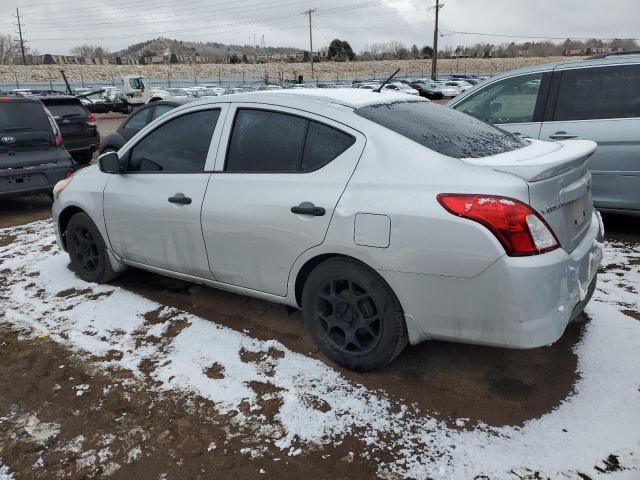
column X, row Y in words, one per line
column 61, row 185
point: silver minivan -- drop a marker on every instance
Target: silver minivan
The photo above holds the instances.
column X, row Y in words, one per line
column 596, row 99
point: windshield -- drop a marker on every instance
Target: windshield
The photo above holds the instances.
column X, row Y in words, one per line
column 65, row 108
column 442, row 129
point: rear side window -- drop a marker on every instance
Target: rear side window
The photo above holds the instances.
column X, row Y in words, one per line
column 272, row 142
column 179, row 146
column 599, row 93
column 323, row 145
column 65, row 108
column 442, row 129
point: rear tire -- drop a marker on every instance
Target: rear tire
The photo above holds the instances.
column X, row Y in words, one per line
column 353, row 315
column 87, row 250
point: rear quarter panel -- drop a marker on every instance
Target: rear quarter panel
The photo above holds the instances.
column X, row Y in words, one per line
column 399, row 178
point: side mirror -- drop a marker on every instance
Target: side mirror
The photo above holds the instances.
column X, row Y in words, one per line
column 110, row 162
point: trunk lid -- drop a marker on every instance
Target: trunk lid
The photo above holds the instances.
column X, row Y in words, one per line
column 559, row 183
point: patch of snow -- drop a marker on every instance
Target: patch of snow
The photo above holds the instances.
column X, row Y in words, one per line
column 39, row 432
column 349, row 97
column 599, row 417
column 134, row 454
column 5, row 473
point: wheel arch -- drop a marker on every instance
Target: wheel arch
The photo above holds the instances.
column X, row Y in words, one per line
column 63, row 221
column 309, row 265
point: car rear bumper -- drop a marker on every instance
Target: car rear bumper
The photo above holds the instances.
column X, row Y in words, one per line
column 82, row 145
column 517, row 302
column 33, row 180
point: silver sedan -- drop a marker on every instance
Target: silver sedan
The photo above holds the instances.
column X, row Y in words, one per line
column 387, row 219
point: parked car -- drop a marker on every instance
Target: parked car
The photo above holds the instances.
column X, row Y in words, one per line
column 78, row 126
column 447, row 90
column 428, row 90
column 386, row 218
column 461, row 85
column 32, row 157
column 401, row 87
column 179, row 93
column 139, row 119
column 597, row 99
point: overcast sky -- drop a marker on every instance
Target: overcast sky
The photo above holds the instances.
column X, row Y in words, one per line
column 55, row 26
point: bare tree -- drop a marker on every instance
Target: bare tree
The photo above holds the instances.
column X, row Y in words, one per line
column 8, row 49
column 87, row 50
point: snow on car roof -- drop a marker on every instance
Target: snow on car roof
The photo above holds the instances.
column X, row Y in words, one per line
column 349, row 97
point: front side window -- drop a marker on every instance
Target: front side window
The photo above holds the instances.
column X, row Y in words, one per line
column 272, row 142
column 599, row 93
column 512, row 100
column 180, row 145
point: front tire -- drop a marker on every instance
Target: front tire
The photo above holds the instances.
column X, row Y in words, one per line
column 353, row 315
column 87, row 250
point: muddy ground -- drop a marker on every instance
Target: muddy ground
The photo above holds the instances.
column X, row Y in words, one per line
column 118, row 414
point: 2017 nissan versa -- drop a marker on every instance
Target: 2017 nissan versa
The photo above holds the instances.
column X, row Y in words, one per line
column 389, row 220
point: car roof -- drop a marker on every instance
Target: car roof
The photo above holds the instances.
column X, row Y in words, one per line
column 54, row 98
column 345, row 97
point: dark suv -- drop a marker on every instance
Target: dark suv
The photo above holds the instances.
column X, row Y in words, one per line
column 32, row 157
column 77, row 125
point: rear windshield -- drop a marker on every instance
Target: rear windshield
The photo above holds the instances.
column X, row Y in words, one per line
column 442, row 129
column 23, row 116
column 65, row 108
column 24, row 125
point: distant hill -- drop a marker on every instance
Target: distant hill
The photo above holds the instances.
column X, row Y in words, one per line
column 213, row 50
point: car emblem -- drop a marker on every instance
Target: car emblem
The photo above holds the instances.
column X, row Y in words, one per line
column 8, row 139
column 65, row 121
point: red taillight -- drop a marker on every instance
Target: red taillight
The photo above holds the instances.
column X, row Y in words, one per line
column 68, row 174
column 58, row 139
column 91, row 120
column 520, row 230
column 6, row 99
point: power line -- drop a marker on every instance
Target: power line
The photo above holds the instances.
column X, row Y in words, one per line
column 534, row 37
column 223, row 27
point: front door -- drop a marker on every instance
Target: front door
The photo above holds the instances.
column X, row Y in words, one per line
column 602, row 104
column 152, row 212
column 279, row 181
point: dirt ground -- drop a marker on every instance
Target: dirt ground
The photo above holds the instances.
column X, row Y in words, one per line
column 118, row 413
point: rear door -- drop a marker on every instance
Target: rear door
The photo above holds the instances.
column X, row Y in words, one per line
column 273, row 193
column 601, row 104
column 152, row 212
column 515, row 104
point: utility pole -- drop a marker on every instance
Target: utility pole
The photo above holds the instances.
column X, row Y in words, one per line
column 309, row 12
column 434, row 57
column 24, row 57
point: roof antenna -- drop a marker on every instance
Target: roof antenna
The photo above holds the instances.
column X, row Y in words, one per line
column 387, row 81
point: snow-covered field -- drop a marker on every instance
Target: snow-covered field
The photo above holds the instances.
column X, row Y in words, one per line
column 599, row 419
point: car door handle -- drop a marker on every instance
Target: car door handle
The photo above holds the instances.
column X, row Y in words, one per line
column 180, row 199
column 308, row 208
column 562, row 136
